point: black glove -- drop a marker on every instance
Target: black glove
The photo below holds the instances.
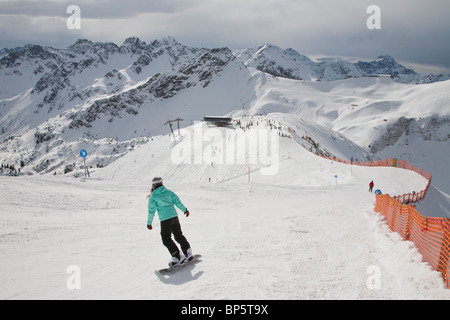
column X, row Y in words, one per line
column 186, row 213
column 149, row 227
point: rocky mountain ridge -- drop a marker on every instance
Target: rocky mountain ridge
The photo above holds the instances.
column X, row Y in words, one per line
column 290, row 64
column 110, row 98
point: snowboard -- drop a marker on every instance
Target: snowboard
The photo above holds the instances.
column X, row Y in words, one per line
column 196, row 258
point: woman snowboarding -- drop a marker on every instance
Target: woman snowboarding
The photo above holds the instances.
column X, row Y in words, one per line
column 163, row 200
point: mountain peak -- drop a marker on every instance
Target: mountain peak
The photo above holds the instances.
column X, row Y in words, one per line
column 384, row 64
column 386, row 57
column 133, row 41
column 168, row 41
column 81, row 44
column 132, row 45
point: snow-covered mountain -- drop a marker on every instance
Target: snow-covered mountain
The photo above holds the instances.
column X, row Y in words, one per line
column 114, row 102
column 50, row 98
column 290, row 64
column 281, row 63
column 111, row 99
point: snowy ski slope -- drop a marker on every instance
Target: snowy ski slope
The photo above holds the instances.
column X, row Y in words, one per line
column 297, row 234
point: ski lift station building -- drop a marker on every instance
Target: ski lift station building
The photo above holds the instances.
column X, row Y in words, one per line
column 218, row 121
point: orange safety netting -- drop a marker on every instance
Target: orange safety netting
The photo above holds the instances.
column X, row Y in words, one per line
column 431, row 236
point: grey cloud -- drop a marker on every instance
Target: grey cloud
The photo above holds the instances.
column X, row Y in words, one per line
column 99, row 9
column 412, row 30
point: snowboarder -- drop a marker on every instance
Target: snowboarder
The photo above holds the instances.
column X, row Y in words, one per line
column 371, row 184
column 163, row 200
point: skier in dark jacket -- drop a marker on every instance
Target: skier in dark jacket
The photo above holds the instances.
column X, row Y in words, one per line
column 163, row 200
column 371, row 184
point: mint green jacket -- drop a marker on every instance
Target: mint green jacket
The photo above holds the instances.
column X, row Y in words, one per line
column 163, row 201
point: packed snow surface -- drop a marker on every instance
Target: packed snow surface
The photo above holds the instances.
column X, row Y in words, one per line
column 298, row 227
column 300, row 233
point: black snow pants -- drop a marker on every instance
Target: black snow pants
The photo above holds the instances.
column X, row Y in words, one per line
column 169, row 227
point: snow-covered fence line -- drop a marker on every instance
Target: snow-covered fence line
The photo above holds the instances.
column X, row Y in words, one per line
column 405, row 198
column 408, row 197
column 431, row 236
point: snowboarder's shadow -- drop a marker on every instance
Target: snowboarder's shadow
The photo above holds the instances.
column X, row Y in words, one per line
column 180, row 277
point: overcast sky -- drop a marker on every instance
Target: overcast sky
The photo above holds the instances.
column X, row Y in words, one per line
column 415, row 32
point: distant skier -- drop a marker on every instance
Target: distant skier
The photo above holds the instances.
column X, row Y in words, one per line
column 163, row 200
column 371, row 184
